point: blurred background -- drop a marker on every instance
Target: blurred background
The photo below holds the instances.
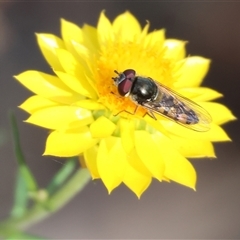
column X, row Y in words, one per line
column 164, row 210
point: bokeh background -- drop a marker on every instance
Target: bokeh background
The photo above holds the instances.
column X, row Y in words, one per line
column 165, row 210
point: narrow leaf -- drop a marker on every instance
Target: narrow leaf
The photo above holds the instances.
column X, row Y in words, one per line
column 62, row 175
column 14, row 234
column 21, row 197
column 23, row 168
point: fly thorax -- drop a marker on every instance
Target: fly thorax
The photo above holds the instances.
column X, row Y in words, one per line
column 143, row 90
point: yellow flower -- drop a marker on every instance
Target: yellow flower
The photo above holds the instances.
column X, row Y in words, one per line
column 87, row 116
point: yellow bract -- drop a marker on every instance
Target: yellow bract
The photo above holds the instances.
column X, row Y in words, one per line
column 199, row 94
column 126, row 27
column 61, row 117
column 47, row 86
column 175, row 49
column 69, row 143
column 36, row 103
column 87, row 117
column 48, row 44
column 192, row 71
column 149, row 153
column 111, row 162
column 102, row 128
column 215, row 109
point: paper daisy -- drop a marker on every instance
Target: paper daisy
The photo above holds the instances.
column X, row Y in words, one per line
column 88, row 107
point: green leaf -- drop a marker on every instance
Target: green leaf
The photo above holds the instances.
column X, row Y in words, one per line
column 40, row 211
column 21, row 197
column 23, row 168
column 14, row 234
column 61, row 176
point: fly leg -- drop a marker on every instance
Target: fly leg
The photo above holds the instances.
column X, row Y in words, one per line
column 132, row 113
column 150, row 114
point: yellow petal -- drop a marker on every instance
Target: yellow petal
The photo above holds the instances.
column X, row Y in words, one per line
column 143, row 34
column 220, row 114
column 111, row 162
column 61, row 117
column 215, row 134
column 69, row 143
column 36, row 103
column 156, row 124
column 104, row 29
column 89, row 104
column 82, row 51
column 135, row 161
column 156, row 37
column 73, row 83
column 70, row 32
column 180, row 170
column 136, row 181
column 90, row 156
column 72, row 67
column 102, row 127
column 193, row 148
column 126, row 26
column 47, row 86
column 192, row 71
column 48, row 44
column 199, row 93
column 72, row 36
column 149, row 153
column 177, row 167
column 127, row 127
column 174, row 49
column 90, row 37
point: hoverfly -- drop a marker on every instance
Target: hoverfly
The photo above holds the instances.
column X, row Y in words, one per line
column 159, row 99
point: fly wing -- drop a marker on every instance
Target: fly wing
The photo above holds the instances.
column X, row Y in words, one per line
column 179, row 109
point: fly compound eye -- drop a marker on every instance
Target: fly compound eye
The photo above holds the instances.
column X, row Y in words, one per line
column 124, row 81
column 125, row 86
column 130, row 73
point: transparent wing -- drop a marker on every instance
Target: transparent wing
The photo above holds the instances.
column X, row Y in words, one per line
column 182, row 110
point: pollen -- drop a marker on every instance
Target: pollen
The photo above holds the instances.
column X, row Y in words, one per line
column 120, row 56
column 110, row 98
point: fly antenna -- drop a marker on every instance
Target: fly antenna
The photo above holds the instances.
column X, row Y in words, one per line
column 116, row 72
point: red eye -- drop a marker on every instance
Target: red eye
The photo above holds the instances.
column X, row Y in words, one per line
column 125, row 86
column 130, row 73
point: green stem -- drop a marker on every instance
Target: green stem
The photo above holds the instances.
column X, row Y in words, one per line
column 42, row 210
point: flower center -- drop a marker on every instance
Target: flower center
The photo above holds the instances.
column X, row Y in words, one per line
column 120, row 56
